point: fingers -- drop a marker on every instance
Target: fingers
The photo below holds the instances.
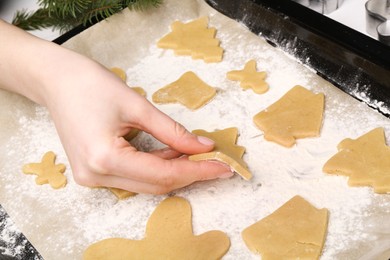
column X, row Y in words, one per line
column 166, row 153
column 147, row 173
column 170, row 132
column 145, row 167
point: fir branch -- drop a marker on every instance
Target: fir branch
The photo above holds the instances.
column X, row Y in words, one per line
column 64, row 15
column 32, row 20
column 138, row 5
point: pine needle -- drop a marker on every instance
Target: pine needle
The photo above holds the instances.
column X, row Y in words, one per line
column 64, row 15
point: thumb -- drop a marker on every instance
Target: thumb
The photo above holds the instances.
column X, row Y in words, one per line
column 173, row 134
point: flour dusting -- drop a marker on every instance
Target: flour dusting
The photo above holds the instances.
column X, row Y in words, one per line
column 72, row 218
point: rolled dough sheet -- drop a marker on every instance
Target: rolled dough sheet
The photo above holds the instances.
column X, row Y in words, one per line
column 62, row 223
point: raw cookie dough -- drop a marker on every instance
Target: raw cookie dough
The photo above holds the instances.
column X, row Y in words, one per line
column 168, row 236
column 249, row 77
column 47, row 171
column 122, row 194
column 225, row 150
column 296, row 230
column 119, row 72
column 122, row 75
column 193, row 38
column 298, row 114
column 366, row 160
column 189, row 90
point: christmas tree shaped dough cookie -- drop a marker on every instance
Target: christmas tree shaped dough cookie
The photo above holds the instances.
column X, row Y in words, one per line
column 47, row 171
column 225, row 150
column 193, row 38
column 298, row 114
column 189, row 90
column 366, row 160
column 249, row 77
column 168, row 236
column 297, row 230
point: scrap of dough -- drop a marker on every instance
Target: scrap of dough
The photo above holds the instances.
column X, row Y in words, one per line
column 296, row 230
column 122, row 194
column 119, row 72
column 298, row 114
column 168, row 236
column 139, row 90
column 47, row 171
column 225, row 150
column 189, row 90
column 249, row 77
column 193, row 38
column 366, row 160
column 122, row 75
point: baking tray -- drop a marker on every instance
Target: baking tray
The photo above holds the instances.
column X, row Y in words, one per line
column 357, row 64
column 352, row 61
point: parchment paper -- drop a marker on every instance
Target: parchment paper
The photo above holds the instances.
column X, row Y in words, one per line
column 62, row 223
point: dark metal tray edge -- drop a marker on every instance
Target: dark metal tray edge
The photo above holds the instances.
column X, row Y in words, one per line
column 352, row 61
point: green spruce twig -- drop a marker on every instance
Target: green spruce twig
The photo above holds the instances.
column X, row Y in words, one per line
column 64, row 15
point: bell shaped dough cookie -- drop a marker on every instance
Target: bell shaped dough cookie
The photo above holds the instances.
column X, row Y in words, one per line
column 249, row 77
column 168, row 236
column 298, row 114
column 296, row 230
column 189, row 90
column 193, row 38
column 365, row 160
column 225, row 150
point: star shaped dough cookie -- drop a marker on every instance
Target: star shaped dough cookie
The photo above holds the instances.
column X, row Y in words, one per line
column 225, row 150
column 47, row 171
column 296, row 230
column 193, row 38
column 189, row 90
column 365, row 160
column 249, row 77
column 298, row 114
column 168, row 236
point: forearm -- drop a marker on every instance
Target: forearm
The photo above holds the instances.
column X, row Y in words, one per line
column 31, row 66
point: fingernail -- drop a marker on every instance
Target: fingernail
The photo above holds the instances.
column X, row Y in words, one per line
column 205, row 140
column 226, row 175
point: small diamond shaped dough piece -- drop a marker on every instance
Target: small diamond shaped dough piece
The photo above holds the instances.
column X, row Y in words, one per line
column 249, row 77
column 225, row 150
column 119, row 72
column 168, row 236
column 189, row 90
column 193, row 38
column 122, row 194
column 298, row 114
column 366, row 160
column 47, row 171
column 296, row 230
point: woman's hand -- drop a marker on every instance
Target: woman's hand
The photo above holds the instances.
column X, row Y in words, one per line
column 92, row 110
